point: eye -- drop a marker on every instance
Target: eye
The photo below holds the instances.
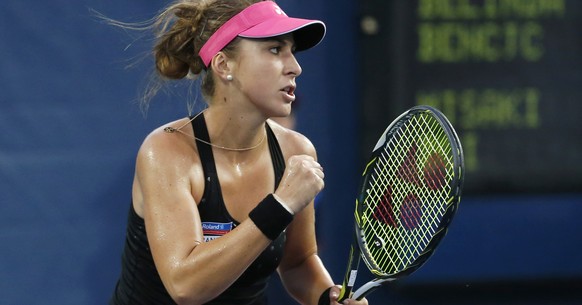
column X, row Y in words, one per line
column 275, row 50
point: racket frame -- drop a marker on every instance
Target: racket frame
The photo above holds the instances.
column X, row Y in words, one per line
column 358, row 248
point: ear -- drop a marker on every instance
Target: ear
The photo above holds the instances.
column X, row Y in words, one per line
column 220, row 65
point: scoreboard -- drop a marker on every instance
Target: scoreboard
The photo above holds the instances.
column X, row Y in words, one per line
column 507, row 74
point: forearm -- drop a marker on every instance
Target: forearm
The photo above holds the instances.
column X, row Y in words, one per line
column 210, row 268
column 307, row 281
column 196, row 276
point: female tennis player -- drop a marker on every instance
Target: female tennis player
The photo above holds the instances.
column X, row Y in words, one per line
column 224, row 198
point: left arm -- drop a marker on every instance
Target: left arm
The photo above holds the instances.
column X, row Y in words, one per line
column 301, row 270
column 302, row 273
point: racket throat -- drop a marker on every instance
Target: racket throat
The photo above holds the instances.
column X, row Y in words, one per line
column 351, row 275
column 369, row 287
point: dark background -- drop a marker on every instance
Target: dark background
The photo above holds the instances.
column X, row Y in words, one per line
column 506, row 73
column 71, row 126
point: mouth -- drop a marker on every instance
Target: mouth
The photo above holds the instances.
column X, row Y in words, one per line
column 289, row 90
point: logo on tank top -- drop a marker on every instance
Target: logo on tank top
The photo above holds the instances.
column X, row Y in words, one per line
column 213, row 230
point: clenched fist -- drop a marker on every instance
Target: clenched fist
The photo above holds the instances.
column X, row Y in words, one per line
column 302, row 180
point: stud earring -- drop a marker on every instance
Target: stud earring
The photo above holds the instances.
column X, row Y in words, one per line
column 229, row 77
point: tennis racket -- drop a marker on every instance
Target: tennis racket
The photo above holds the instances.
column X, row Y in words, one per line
column 410, row 191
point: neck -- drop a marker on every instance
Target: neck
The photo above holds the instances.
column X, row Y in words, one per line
column 234, row 132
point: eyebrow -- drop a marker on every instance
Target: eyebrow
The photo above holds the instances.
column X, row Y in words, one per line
column 279, row 39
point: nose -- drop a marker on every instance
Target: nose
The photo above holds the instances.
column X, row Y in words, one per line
column 293, row 67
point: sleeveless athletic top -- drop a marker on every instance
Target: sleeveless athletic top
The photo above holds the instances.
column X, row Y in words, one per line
column 140, row 282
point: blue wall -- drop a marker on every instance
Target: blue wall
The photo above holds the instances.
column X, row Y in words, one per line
column 71, row 127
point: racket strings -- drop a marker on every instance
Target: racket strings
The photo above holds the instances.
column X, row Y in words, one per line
column 408, row 194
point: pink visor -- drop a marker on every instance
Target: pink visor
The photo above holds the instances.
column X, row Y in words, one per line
column 262, row 20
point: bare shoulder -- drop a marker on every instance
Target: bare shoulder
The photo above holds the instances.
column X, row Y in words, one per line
column 168, row 149
column 168, row 169
column 291, row 141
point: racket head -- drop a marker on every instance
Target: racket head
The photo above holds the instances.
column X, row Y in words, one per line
column 410, row 192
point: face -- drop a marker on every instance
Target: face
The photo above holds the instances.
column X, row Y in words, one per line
column 265, row 71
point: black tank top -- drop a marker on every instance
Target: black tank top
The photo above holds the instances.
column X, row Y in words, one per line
column 140, row 282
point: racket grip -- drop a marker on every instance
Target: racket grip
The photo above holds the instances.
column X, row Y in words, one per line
column 344, row 294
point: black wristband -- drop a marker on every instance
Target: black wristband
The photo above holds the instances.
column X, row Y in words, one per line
column 271, row 217
column 324, row 298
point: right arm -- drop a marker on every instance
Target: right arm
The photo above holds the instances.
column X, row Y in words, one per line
column 192, row 272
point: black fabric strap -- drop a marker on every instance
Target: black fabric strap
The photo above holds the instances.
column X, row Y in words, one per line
column 324, row 298
column 276, row 155
column 271, row 217
column 201, row 132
